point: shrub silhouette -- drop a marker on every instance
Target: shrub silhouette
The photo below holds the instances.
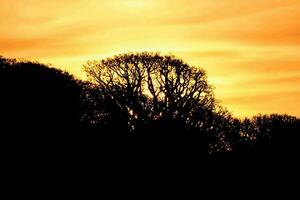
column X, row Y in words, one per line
column 267, row 139
column 35, row 96
column 40, row 108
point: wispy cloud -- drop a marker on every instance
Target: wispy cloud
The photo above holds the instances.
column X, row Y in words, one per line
column 248, row 48
column 277, row 102
column 201, row 12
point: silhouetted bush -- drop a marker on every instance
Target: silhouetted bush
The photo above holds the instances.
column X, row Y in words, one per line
column 267, row 139
column 37, row 97
column 40, row 109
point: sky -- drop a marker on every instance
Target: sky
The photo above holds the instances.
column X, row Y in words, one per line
column 249, row 48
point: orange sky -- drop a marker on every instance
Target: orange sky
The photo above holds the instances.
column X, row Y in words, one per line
column 249, row 48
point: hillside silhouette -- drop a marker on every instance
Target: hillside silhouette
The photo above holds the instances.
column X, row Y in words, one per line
column 135, row 107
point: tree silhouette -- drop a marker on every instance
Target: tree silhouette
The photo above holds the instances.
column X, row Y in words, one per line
column 36, row 95
column 40, row 107
column 100, row 114
column 134, row 106
column 150, row 86
column 267, row 139
column 158, row 97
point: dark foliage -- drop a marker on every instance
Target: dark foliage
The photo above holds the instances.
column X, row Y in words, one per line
column 40, row 110
column 37, row 98
column 139, row 108
column 268, row 138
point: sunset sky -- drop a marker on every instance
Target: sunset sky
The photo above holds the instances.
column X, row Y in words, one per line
column 250, row 49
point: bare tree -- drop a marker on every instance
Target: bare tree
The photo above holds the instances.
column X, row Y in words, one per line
column 152, row 87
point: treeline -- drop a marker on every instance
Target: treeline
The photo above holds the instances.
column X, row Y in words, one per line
column 138, row 105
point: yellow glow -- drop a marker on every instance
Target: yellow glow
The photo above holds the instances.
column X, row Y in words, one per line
column 136, row 3
column 250, row 49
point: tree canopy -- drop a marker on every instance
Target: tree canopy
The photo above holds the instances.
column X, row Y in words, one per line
column 37, row 97
column 150, row 87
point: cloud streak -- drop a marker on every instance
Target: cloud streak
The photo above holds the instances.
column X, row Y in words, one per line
column 248, row 49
